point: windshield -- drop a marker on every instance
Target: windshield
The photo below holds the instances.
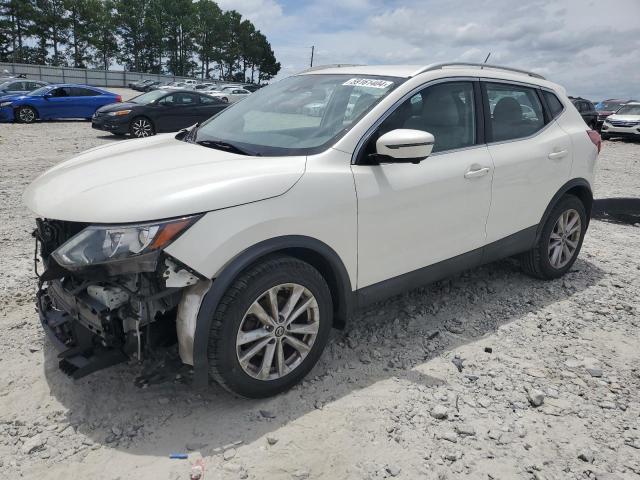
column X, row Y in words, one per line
column 148, row 97
column 39, row 91
column 629, row 110
column 5, row 85
column 299, row 115
column 608, row 106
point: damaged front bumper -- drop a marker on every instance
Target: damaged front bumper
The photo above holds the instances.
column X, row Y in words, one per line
column 98, row 317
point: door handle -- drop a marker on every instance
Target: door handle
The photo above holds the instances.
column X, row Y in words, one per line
column 557, row 155
column 480, row 172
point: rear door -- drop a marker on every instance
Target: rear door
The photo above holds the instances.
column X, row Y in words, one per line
column 531, row 156
column 84, row 102
column 208, row 107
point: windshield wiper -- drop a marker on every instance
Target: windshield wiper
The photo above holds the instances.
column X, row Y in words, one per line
column 226, row 146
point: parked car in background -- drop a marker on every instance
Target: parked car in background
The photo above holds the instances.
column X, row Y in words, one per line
column 252, row 87
column 587, row 111
column 230, row 94
column 19, row 86
column 608, row 107
column 254, row 234
column 204, row 86
column 624, row 123
column 139, row 85
column 156, row 112
column 151, row 86
column 174, row 86
column 57, row 101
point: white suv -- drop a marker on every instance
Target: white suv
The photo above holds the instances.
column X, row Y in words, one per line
column 249, row 237
column 624, row 123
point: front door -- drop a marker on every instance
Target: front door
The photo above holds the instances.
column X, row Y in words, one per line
column 415, row 215
column 177, row 110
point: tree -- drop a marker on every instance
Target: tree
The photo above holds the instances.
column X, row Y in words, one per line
column 50, row 30
column 179, row 36
column 103, row 38
column 82, row 19
column 18, row 15
column 129, row 19
column 267, row 64
column 207, row 34
column 183, row 37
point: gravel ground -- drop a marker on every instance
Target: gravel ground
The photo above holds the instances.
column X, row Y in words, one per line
column 488, row 375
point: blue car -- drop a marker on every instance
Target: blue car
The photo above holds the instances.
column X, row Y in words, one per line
column 55, row 101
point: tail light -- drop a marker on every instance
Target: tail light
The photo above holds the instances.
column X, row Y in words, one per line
column 595, row 138
column 119, row 99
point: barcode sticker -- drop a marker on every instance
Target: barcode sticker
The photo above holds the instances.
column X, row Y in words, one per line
column 367, row 82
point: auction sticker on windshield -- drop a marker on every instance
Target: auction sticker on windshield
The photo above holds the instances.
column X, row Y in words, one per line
column 367, row 82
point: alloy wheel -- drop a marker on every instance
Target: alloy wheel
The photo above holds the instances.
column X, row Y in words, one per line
column 141, row 128
column 277, row 331
column 26, row 115
column 564, row 238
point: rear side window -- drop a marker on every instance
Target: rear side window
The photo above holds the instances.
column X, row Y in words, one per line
column 555, row 107
column 515, row 111
column 206, row 100
column 82, row 92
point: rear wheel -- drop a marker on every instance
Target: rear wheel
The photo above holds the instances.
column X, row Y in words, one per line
column 26, row 114
column 605, row 136
column 270, row 328
column 225, row 99
column 560, row 240
column 141, row 127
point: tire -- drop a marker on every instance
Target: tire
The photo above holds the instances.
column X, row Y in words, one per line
column 26, row 114
column 605, row 136
column 141, row 127
column 544, row 260
column 235, row 318
column 225, row 99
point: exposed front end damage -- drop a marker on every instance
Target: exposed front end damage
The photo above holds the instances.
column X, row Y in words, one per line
column 101, row 315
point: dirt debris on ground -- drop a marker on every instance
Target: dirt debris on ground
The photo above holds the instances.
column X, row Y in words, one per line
column 487, row 375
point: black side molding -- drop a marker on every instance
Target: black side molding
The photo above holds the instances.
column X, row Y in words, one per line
column 513, row 244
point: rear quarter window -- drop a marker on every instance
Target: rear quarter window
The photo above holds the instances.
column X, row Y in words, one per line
column 555, row 105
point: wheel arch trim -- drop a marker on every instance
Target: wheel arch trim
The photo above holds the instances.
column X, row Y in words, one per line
column 573, row 185
column 294, row 245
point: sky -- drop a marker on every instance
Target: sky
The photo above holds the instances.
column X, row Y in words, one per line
column 590, row 47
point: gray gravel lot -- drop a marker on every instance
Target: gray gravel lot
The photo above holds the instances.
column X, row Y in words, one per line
column 488, row 375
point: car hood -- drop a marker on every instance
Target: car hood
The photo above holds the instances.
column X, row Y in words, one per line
column 114, row 107
column 11, row 96
column 624, row 118
column 155, row 178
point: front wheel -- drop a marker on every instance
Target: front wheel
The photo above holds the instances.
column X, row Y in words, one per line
column 270, row 328
column 560, row 240
column 141, row 127
column 26, row 115
column 605, row 136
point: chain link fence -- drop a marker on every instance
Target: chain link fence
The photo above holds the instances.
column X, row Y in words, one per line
column 97, row 78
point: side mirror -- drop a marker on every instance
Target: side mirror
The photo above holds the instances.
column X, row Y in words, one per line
column 48, row 95
column 404, row 146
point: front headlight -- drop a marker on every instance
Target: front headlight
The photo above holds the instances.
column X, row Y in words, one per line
column 119, row 113
column 5, row 104
column 99, row 244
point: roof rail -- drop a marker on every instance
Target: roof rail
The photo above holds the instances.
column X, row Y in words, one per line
column 438, row 66
column 331, row 65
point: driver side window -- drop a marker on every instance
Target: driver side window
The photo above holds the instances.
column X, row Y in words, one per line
column 446, row 110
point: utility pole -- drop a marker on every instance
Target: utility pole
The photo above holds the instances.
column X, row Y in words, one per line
column 312, row 49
